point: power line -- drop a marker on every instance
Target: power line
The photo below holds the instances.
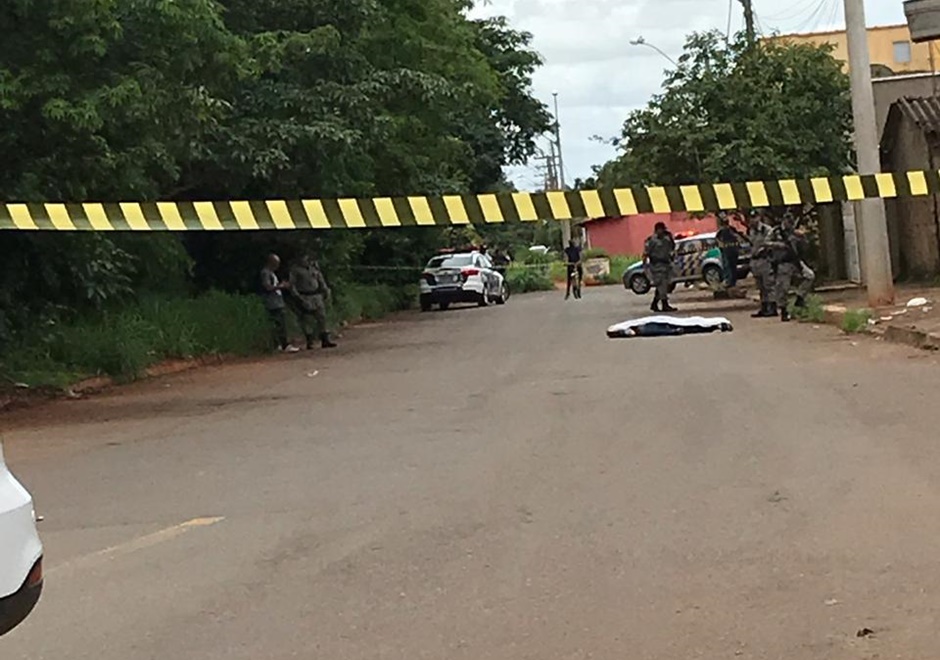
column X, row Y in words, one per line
column 796, row 11
column 814, row 19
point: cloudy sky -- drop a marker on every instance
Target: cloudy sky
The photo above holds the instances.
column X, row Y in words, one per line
column 600, row 77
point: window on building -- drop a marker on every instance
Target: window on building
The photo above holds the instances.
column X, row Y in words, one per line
column 902, row 52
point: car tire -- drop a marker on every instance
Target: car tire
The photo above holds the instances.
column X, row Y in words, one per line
column 713, row 275
column 503, row 295
column 640, row 284
column 444, row 306
column 484, row 300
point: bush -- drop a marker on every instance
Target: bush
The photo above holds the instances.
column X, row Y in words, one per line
column 856, row 320
column 618, row 265
column 813, row 312
column 526, row 278
column 536, row 258
column 596, row 253
column 357, row 302
column 123, row 344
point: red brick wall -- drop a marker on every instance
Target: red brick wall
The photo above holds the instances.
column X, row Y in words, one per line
column 628, row 234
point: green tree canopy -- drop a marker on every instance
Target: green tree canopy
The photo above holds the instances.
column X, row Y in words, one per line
column 730, row 112
column 236, row 99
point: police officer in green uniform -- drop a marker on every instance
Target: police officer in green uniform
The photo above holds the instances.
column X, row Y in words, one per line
column 785, row 257
column 758, row 232
column 310, row 293
column 659, row 255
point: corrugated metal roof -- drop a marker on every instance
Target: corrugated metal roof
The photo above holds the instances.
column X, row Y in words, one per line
column 925, row 112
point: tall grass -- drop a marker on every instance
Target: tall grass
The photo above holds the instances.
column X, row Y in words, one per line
column 125, row 342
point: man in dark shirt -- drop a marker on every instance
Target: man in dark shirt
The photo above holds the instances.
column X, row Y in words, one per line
column 729, row 243
column 573, row 264
column 272, row 293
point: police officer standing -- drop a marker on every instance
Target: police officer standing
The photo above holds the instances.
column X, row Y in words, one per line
column 310, row 293
column 785, row 257
column 758, row 232
column 659, row 256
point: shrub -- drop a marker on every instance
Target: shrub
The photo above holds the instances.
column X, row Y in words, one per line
column 124, row 343
column 596, row 253
column 526, row 278
column 856, row 320
column 813, row 312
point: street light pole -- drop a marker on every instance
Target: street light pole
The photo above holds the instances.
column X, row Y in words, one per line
column 876, row 253
column 640, row 41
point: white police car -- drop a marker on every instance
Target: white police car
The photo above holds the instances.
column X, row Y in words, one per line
column 20, row 552
column 461, row 277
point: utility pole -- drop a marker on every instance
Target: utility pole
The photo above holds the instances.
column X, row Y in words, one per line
column 551, row 172
column 871, row 219
column 565, row 224
column 749, row 22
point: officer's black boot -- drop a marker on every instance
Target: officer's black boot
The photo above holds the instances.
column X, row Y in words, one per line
column 325, row 341
column 772, row 310
column 762, row 312
column 655, row 306
column 785, row 315
column 800, row 302
column 667, row 307
column 310, row 342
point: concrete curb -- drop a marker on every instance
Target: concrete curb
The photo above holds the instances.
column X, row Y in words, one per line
column 906, row 335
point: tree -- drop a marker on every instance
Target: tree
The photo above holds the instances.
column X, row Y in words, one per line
column 236, row 99
column 734, row 113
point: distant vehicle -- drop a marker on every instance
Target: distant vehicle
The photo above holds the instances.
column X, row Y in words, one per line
column 20, row 552
column 463, row 277
column 698, row 259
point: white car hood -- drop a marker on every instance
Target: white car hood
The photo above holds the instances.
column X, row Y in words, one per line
column 20, row 546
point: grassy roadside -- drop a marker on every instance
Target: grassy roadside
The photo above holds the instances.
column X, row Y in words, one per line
column 124, row 343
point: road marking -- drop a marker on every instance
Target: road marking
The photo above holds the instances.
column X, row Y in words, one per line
column 135, row 545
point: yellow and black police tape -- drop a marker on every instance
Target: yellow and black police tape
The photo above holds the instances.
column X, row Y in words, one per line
column 450, row 210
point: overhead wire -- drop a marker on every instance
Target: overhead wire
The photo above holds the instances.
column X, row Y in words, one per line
column 813, row 21
column 796, row 10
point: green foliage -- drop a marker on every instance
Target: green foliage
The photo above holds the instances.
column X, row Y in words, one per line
column 596, row 253
column 729, row 112
column 524, row 278
column 126, row 342
column 813, row 312
column 618, row 265
column 856, row 320
column 240, row 99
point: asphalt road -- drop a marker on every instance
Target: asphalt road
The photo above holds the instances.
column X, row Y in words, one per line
column 501, row 483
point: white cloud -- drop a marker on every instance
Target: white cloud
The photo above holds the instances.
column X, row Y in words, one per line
column 600, row 77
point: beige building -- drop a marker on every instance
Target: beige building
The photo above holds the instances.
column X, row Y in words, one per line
column 890, row 46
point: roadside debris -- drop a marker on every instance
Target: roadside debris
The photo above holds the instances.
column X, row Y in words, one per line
column 777, row 497
column 917, row 302
column 865, row 632
column 831, row 602
column 313, row 374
